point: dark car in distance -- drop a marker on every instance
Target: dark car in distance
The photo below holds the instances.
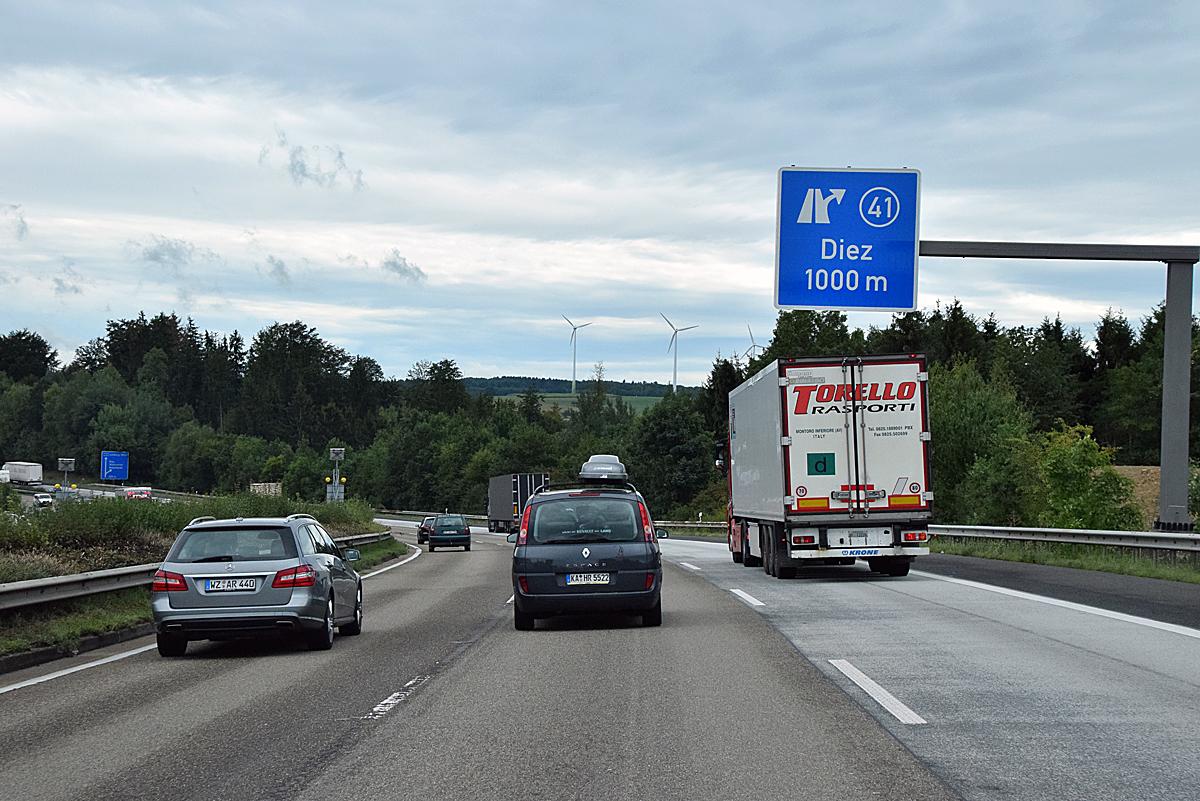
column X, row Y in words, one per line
column 424, row 528
column 449, row 531
column 586, row 549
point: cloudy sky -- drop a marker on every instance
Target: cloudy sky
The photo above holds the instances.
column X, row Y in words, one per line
column 436, row 180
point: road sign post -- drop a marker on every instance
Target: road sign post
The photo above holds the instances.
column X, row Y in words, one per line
column 114, row 465
column 847, row 239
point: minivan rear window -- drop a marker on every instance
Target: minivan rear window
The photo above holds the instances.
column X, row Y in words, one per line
column 585, row 520
column 233, row 545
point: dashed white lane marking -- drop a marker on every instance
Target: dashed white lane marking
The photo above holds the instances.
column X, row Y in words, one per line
column 886, row 700
column 748, row 598
column 689, row 565
column 511, row 598
column 392, row 567
column 1090, row 610
column 68, row 671
column 143, row 649
column 389, row 703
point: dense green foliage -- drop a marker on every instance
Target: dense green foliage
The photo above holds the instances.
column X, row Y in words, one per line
column 1026, row 420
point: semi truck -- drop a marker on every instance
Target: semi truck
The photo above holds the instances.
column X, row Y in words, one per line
column 23, row 472
column 829, row 464
column 507, row 495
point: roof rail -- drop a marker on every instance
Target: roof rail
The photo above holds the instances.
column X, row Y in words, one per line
column 551, row 486
column 204, row 519
column 299, row 515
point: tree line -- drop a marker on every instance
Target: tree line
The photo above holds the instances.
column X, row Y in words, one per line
column 1027, row 419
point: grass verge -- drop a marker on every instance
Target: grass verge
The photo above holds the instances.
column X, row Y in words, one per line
column 1169, row 565
column 65, row 623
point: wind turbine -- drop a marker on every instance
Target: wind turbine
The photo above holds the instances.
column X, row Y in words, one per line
column 574, row 331
column 675, row 347
column 754, row 346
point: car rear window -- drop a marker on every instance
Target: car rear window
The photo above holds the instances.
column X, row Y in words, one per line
column 585, row 520
column 233, row 545
column 451, row 521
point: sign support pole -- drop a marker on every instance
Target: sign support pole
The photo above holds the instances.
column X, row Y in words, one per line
column 1176, row 401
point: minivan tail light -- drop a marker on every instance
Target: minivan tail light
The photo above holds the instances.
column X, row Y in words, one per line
column 166, row 581
column 649, row 581
column 524, row 582
column 647, row 528
column 300, row 576
column 523, row 536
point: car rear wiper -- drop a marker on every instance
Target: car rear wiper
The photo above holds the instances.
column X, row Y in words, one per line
column 226, row 558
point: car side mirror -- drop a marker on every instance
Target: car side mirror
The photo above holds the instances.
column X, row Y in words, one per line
column 351, row 554
column 511, row 538
column 662, row 533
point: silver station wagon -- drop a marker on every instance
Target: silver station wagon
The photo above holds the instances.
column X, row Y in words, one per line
column 226, row 579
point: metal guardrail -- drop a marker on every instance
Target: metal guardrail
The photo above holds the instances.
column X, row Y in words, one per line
column 16, row 594
column 1153, row 540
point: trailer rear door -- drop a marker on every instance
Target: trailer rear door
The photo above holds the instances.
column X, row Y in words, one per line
column 858, row 430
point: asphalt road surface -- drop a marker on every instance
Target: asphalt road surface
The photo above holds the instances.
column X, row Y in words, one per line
column 440, row 698
column 839, row 685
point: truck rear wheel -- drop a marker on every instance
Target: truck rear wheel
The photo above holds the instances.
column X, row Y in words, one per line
column 737, row 554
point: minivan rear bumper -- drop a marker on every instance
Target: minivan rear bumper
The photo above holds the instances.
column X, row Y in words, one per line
column 548, row 605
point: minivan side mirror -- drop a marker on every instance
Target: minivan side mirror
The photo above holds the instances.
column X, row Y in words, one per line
column 511, row 537
column 351, row 554
column 662, row 533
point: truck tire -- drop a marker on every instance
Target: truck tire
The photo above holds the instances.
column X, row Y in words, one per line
column 737, row 555
column 765, row 540
column 897, row 567
column 491, row 527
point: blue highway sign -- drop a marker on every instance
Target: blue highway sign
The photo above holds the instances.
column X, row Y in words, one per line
column 847, row 239
column 114, row 465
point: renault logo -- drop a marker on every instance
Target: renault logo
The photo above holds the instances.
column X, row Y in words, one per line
column 587, row 552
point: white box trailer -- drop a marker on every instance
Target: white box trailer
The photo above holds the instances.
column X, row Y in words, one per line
column 23, row 472
column 829, row 463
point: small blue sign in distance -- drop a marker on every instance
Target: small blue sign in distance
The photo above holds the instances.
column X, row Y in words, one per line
column 847, row 239
column 114, row 465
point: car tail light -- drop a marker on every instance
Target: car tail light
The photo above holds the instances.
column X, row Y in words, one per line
column 804, row 539
column 647, row 528
column 915, row 536
column 649, row 580
column 301, row 576
column 166, row 581
column 523, row 536
column 524, row 582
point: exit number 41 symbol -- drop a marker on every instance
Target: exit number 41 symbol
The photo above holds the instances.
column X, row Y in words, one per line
column 879, row 207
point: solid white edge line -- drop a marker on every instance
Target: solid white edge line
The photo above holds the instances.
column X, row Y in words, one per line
column 689, row 565
column 134, row 652
column 885, row 699
column 68, row 671
column 1090, row 610
column 748, row 598
column 398, row 564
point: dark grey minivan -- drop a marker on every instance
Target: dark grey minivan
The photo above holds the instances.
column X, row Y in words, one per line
column 224, row 579
column 587, row 548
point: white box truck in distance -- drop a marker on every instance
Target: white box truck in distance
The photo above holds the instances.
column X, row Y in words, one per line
column 829, row 463
column 23, row 472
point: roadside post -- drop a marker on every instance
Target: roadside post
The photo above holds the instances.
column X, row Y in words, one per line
column 335, row 485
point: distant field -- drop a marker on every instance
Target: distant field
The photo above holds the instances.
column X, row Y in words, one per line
column 566, row 400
